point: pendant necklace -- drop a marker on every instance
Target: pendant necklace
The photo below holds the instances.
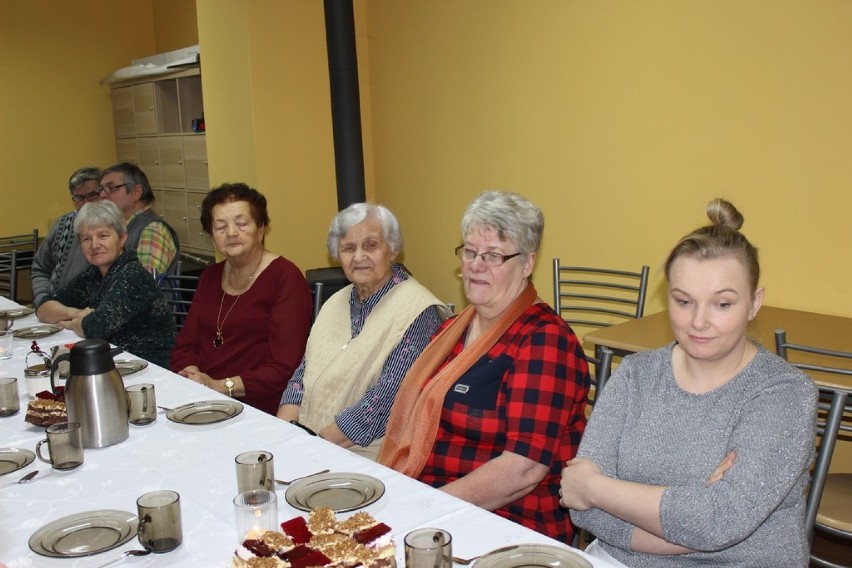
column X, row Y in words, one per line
column 219, row 340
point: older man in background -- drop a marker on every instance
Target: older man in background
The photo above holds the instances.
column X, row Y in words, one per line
column 155, row 241
column 59, row 258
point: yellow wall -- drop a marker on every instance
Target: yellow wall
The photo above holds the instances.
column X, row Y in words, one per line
column 268, row 116
column 55, row 116
column 174, row 24
column 621, row 119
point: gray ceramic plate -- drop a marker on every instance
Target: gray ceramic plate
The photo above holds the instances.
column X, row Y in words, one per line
column 37, row 331
column 13, row 459
column 84, row 534
column 16, row 313
column 530, row 555
column 205, row 412
column 339, row 492
column 130, row 367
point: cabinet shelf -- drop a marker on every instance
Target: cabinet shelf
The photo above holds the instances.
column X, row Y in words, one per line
column 153, row 129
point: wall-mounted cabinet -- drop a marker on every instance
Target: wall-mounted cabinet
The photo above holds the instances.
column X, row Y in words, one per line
column 154, row 130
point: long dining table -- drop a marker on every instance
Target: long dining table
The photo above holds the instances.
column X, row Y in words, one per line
column 197, row 461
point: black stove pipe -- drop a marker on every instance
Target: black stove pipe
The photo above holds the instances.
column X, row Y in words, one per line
column 345, row 102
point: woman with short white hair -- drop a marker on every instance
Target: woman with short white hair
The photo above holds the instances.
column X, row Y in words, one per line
column 115, row 298
column 366, row 336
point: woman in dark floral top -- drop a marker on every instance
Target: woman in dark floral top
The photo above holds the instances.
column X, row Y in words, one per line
column 114, row 298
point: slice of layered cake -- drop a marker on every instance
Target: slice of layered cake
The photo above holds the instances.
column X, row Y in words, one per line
column 47, row 409
column 321, row 541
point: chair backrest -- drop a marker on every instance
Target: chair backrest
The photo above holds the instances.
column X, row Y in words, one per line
column 603, row 369
column 598, row 297
column 324, row 282
column 24, row 242
column 9, row 274
column 832, row 404
column 16, row 254
column 178, row 289
column 316, row 297
column 327, row 281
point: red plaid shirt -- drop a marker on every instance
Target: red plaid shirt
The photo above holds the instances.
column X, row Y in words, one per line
column 527, row 396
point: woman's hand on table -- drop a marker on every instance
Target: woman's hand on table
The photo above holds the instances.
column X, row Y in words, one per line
column 75, row 323
column 194, row 374
column 187, row 370
column 575, row 489
column 204, row 379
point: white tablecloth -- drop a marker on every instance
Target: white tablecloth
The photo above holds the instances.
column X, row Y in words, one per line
column 198, row 463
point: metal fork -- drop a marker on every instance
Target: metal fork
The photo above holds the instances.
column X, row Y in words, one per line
column 282, row 482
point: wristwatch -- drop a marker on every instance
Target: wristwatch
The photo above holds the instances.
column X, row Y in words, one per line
column 230, row 384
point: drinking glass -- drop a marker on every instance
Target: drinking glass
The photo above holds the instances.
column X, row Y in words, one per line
column 428, row 548
column 10, row 403
column 256, row 512
column 65, row 444
column 6, row 340
column 160, row 528
column 255, row 470
column 143, row 404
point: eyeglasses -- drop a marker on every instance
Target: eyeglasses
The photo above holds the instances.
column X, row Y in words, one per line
column 91, row 196
column 489, row 258
column 110, row 188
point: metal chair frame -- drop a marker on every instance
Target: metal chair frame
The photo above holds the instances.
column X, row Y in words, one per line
column 178, row 290
column 16, row 253
column 833, row 403
column 603, row 370
column 316, row 297
column 596, row 292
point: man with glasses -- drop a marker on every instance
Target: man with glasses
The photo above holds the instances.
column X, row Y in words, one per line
column 155, row 241
column 59, row 257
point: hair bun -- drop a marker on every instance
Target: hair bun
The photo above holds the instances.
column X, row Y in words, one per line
column 723, row 213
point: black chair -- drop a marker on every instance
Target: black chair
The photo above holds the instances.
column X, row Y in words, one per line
column 324, row 283
column 327, row 281
column 16, row 254
column 829, row 503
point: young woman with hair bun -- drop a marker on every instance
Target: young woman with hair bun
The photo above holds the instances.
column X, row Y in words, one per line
column 697, row 453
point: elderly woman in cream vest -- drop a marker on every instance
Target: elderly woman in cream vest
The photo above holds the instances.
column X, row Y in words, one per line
column 365, row 338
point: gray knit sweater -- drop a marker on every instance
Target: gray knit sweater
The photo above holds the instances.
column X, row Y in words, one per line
column 647, row 429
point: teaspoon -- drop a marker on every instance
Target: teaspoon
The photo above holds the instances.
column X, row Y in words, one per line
column 25, row 479
column 145, row 552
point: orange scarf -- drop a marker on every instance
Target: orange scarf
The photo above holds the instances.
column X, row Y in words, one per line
column 413, row 422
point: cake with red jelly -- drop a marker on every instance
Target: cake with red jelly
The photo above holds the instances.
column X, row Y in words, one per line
column 47, row 409
column 320, row 541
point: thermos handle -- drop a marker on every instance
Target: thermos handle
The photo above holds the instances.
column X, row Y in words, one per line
column 115, row 351
column 54, row 366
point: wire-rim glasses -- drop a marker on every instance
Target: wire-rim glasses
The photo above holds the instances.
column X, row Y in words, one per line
column 111, row 188
column 489, row 258
column 91, row 196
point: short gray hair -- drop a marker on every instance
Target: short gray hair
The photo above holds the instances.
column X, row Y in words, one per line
column 132, row 175
column 358, row 212
column 102, row 213
column 81, row 176
column 512, row 216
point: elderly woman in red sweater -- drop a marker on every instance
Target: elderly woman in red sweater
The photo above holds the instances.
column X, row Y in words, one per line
column 246, row 329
